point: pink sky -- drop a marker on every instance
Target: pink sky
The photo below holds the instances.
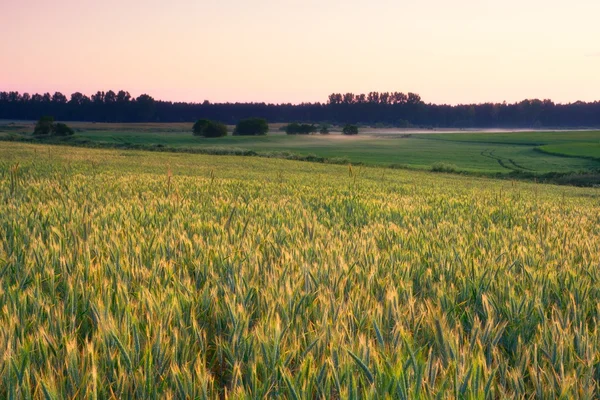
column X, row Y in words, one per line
column 292, row 51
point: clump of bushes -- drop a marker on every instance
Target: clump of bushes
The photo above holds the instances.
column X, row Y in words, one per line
column 444, row 167
column 324, row 129
column 209, row 129
column 339, row 160
column 300, row 129
column 46, row 126
column 350, row 129
column 251, row 127
column 199, row 126
column 61, row 129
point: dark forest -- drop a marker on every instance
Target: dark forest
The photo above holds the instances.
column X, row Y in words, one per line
column 386, row 108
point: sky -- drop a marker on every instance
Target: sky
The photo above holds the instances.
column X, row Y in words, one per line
column 459, row 51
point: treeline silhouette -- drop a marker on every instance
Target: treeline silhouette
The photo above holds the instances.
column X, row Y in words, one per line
column 387, row 108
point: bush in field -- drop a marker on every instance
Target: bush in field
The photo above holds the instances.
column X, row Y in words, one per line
column 251, row 126
column 300, row 129
column 214, row 129
column 324, row 129
column 199, row 126
column 444, row 167
column 350, row 130
column 208, row 128
column 292, row 128
column 44, row 126
column 308, row 129
column 60, row 129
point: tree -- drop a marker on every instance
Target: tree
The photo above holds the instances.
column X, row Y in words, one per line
column 98, row 98
column 348, row 98
column 335, row 98
column 384, row 98
column 293, row 128
column 413, row 98
column 123, row 97
column 44, row 126
column 59, row 98
column 60, row 129
column 214, row 129
column 207, row 128
column 145, row 106
column 300, row 129
column 350, row 130
column 199, row 126
column 14, row 97
column 324, row 129
column 373, row 97
column 251, row 126
column 78, row 99
column 110, row 97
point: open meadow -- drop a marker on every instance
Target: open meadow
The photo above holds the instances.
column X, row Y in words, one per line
column 524, row 154
column 132, row 274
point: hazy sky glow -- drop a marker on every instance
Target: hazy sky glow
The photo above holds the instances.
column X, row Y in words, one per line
column 458, row 51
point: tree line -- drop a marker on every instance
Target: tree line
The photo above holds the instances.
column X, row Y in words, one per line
column 387, row 108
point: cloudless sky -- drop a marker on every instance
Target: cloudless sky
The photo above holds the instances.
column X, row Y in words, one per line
column 458, row 51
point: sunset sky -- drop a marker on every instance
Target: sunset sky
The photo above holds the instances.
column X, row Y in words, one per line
column 459, row 51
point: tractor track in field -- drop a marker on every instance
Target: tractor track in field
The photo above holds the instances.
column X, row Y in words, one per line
column 520, row 166
column 510, row 165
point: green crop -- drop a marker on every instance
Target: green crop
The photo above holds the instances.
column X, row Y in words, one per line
column 128, row 274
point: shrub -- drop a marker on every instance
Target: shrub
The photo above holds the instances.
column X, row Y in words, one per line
column 209, row 129
column 300, row 129
column 324, row 129
column 350, row 129
column 214, row 129
column 444, row 167
column 199, row 126
column 44, row 126
column 292, row 128
column 12, row 137
column 251, row 126
column 60, row 129
column 339, row 160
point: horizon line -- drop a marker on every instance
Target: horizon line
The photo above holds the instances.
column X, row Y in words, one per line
column 208, row 102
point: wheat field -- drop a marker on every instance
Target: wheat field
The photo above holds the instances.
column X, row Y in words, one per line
column 126, row 274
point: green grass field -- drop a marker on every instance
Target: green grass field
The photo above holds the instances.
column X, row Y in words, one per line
column 131, row 274
column 580, row 150
column 417, row 152
column 524, row 138
column 485, row 153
